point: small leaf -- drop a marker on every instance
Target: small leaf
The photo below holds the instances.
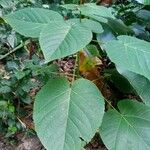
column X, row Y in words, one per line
column 30, row 21
column 64, row 114
column 5, row 89
column 129, row 129
column 3, row 104
column 20, row 74
column 130, row 53
column 86, row 62
column 60, row 40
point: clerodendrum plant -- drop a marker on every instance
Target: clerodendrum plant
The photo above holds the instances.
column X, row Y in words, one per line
column 64, row 112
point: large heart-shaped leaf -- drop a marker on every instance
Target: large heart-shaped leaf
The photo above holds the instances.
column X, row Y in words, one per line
column 60, row 40
column 30, row 21
column 139, row 83
column 130, row 53
column 129, row 129
column 64, row 114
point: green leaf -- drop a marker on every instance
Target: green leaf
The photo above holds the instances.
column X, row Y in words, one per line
column 3, row 104
column 130, row 53
column 30, row 21
column 6, row 4
column 145, row 2
column 64, row 114
column 119, row 81
column 92, row 50
column 92, row 25
column 99, row 13
column 119, row 27
column 129, row 129
column 60, row 40
column 139, row 83
column 20, row 74
column 5, row 89
column 144, row 15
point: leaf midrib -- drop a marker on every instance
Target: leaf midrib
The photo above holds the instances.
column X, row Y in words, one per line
column 37, row 23
column 134, row 48
column 122, row 116
column 58, row 47
column 69, row 99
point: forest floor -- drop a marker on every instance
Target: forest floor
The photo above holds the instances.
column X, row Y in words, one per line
column 33, row 143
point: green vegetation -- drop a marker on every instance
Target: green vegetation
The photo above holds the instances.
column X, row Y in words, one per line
column 80, row 68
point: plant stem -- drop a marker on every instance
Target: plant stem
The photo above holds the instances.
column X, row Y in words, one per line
column 59, row 73
column 12, row 51
column 74, row 70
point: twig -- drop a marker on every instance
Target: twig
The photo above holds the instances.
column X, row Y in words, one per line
column 12, row 51
column 61, row 73
column 74, row 70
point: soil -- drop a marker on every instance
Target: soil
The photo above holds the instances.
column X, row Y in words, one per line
column 25, row 144
column 33, row 143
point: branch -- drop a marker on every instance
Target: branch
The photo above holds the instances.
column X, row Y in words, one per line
column 12, row 51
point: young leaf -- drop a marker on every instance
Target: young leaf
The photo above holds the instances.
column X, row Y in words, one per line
column 63, row 114
column 30, row 21
column 60, row 40
column 129, row 129
column 130, row 53
column 139, row 83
